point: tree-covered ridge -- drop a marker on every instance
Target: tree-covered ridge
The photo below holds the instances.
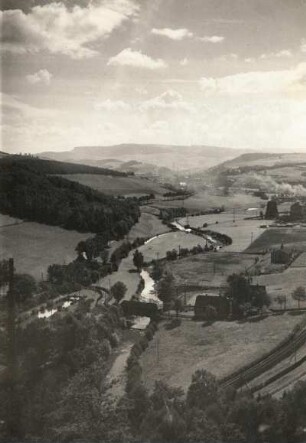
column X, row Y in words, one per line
column 36, row 164
column 27, row 192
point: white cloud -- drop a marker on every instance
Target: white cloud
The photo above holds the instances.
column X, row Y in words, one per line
column 284, row 53
column 59, row 30
column 249, row 60
column 173, row 34
column 211, row 39
column 288, row 81
column 136, row 59
column 41, row 76
column 184, row 62
column 168, row 100
column 303, row 46
column 112, row 105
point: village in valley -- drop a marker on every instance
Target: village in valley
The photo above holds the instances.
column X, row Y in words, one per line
column 153, row 221
column 209, row 276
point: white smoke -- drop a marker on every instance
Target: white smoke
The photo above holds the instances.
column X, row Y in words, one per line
column 268, row 184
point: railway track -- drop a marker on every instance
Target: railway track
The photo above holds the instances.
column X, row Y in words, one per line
column 241, row 377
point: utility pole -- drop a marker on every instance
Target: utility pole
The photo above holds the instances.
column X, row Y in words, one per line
column 13, row 417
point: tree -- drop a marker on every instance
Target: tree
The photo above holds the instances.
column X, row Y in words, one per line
column 157, row 270
column 299, row 294
column 203, row 390
column 118, row 291
column 138, row 260
column 25, row 286
column 4, row 272
column 166, row 289
column 178, row 306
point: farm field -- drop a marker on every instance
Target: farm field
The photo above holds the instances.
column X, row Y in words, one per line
column 294, row 237
column 174, row 355
column 147, row 226
column 112, row 185
column 283, row 283
column 241, row 231
column 35, row 246
column 203, row 201
column 209, row 269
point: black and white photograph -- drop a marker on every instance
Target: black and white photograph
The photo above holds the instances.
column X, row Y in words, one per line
column 153, row 221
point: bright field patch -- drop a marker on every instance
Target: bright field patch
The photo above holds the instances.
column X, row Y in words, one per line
column 158, row 247
column 242, row 232
column 35, row 246
column 113, row 185
column 174, row 355
column 147, row 226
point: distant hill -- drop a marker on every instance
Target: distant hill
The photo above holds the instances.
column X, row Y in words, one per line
column 160, row 156
column 263, row 161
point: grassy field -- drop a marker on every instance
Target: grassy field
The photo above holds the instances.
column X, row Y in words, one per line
column 118, row 185
column 35, row 246
column 148, row 225
column 166, row 242
column 174, row 355
column 283, row 283
column 203, row 201
column 294, row 237
column 210, row 269
column 233, row 224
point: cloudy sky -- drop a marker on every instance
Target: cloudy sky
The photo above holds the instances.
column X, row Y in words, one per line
column 98, row 72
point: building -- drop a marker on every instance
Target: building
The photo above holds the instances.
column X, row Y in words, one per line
column 281, row 256
column 220, row 303
column 297, row 211
column 140, row 309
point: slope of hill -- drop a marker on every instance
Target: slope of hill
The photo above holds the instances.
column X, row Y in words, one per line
column 263, row 161
column 47, row 166
column 28, row 191
column 125, row 186
column 169, row 156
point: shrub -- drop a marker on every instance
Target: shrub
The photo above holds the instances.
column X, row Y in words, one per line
column 106, row 348
column 114, row 340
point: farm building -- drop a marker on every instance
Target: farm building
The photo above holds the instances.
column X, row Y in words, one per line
column 281, row 256
column 139, row 308
column 297, row 211
column 218, row 302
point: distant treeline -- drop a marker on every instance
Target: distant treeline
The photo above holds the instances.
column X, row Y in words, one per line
column 55, row 167
column 27, row 192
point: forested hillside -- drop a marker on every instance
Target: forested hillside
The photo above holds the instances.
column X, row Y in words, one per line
column 56, row 167
column 28, row 191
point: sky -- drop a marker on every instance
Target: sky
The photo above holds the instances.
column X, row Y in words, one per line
column 228, row 73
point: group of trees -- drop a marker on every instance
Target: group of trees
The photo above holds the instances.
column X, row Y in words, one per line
column 244, row 295
column 62, row 366
column 28, row 192
column 209, row 414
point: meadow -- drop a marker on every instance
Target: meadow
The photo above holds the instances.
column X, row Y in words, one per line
column 242, row 232
column 174, row 355
column 292, row 237
column 209, row 269
column 113, row 185
column 35, row 246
